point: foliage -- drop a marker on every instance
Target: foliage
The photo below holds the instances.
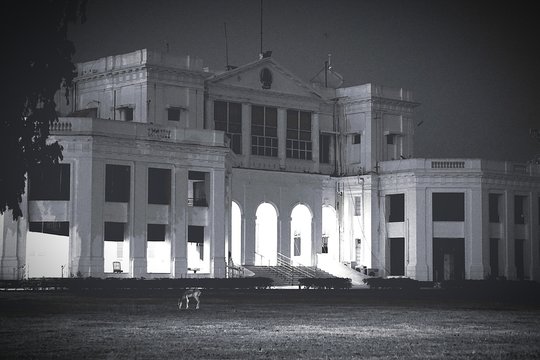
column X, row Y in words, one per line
column 325, row 283
column 37, row 63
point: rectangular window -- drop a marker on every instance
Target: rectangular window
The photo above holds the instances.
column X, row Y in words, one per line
column 228, row 118
column 117, row 183
column 173, row 113
column 448, row 207
column 299, row 144
column 324, row 148
column 494, row 257
column 125, row 113
column 494, row 200
column 50, row 227
column 159, row 186
column 357, row 206
column 155, row 232
column 390, row 139
column 519, row 209
column 114, row 231
column 396, row 213
column 49, row 182
column 397, row 256
column 297, row 245
column 357, row 139
column 197, row 189
column 264, row 140
column 196, row 236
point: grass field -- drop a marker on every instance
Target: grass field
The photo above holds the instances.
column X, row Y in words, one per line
column 267, row 324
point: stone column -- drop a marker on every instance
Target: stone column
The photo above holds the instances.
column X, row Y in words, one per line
column 13, row 244
column 248, row 237
column 474, row 234
column 217, row 227
column 246, row 134
column 179, row 224
column 137, row 230
column 86, row 220
column 508, row 231
column 417, row 210
column 284, row 235
column 282, row 135
column 534, row 237
column 315, row 141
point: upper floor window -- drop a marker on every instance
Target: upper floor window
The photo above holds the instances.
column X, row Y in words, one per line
column 173, row 113
column 197, row 190
column 324, row 148
column 228, row 118
column 117, row 183
column 391, row 139
column 448, row 207
column 396, row 212
column 519, row 209
column 299, row 145
column 357, row 139
column 494, row 200
column 125, row 112
column 49, row 182
column 264, row 140
column 159, row 186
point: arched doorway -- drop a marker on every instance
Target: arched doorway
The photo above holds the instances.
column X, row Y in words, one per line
column 236, row 233
column 330, row 242
column 266, row 235
column 301, row 235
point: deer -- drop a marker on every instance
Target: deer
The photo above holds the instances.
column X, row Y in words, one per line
column 190, row 293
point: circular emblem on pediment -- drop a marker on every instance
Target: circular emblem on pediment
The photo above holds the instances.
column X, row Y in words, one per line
column 265, row 77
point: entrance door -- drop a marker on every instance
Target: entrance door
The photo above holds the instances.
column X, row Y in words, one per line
column 518, row 255
column 448, row 259
column 397, row 256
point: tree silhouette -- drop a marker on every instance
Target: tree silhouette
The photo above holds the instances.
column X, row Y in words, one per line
column 36, row 64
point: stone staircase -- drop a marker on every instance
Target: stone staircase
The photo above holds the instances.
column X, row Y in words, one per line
column 287, row 275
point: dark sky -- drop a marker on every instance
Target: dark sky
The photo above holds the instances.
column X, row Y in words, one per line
column 471, row 64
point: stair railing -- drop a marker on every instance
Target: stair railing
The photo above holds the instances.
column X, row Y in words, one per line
column 289, row 264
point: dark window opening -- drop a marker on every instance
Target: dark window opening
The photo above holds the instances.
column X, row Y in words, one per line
column 114, row 231
column 159, row 186
column 117, row 183
column 397, row 256
column 126, row 113
column 494, row 257
column 390, row 139
column 396, row 212
column 228, row 118
column 324, row 148
column 198, row 188
column 264, row 140
column 519, row 258
column 324, row 249
column 299, row 144
column 155, row 232
column 494, row 200
column 357, row 206
column 196, row 235
column 448, row 259
column 50, row 227
column 448, row 207
column 519, row 209
column 357, row 138
column 173, row 114
column 49, row 182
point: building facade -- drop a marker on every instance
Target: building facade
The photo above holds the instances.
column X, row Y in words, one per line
column 171, row 170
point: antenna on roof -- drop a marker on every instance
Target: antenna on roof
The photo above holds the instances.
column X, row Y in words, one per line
column 260, row 52
column 226, row 47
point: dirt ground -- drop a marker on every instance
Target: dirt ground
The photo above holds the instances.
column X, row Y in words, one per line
column 267, row 324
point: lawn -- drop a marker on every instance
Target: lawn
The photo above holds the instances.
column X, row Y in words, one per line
column 267, row 324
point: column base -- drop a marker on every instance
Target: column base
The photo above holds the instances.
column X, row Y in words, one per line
column 179, row 267
column 418, row 272
column 476, row 272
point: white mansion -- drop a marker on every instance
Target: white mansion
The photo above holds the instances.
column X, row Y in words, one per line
column 171, row 170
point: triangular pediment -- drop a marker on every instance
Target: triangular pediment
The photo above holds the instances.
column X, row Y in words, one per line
column 265, row 75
